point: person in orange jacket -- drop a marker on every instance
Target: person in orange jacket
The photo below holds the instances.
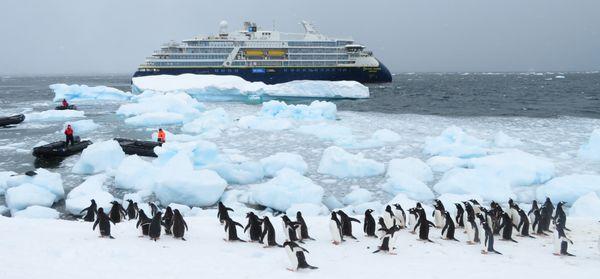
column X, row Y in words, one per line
column 161, row 135
column 69, row 135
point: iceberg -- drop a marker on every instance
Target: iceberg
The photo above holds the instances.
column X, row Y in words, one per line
column 4, row 176
column 47, row 180
column 409, row 185
column 587, row 206
column 444, row 164
column 410, row 166
column 92, row 188
column 53, row 115
column 357, row 196
column 591, row 149
column 134, row 173
column 337, row 162
column 518, row 167
column 81, row 126
column 217, row 86
column 153, row 109
column 454, row 142
column 239, row 173
column 210, row 123
column 37, row 212
column 569, row 188
column 25, row 195
column 99, row 157
column 317, row 110
column 503, row 140
column 287, row 188
column 202, row 153
column 76, row 92
column 488, row 185
column 274, row 163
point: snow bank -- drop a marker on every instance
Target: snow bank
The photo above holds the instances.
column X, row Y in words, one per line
column 53, row 115
column 99, row 157
column 77, row 92
column 357, row 196
column 484, row 183
column 92, row 188
column 206, row 86
column 454, row 142
column 37, row 212
column 317, row 110
column 410, row 166
column 287, row 188
column 591, row 149
column 569, row 188
column 209, row 123
column 274, row 163
column 81, row 126
column 25, row 195
column 518, row 167
column 337, row 162
column 503, row 140
column 587, row 206
column 409, row 185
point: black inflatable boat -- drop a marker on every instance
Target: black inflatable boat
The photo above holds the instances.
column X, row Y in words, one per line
column 11, row 120
column 138, row 147
column 70, row 107
column 59, row 149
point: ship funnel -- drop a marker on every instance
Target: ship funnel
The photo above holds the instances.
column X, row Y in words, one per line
column 223, row 28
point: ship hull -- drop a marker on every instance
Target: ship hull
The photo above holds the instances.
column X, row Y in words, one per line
column 284, row 74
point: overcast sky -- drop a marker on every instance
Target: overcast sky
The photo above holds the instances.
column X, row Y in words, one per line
column 114, row 36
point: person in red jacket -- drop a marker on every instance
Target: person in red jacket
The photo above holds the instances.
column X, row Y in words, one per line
column 69, row 134
column 65, row 103
column 161, row 135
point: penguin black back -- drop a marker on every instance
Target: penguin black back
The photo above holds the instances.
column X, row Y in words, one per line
column 117, row 212
column 423, row 225
column 103, row 222
column 143, row 221
column 230, row 228
column 168, row 220
column 268, row 232
column 303, row 226
column 346, row 223
column 460, row 215
column 254, row 225
column 222, row 212
column 179, row 225
column 131, row 210
column 90, row 211
column 449, row 228
column 369, row 223
column 155, row 226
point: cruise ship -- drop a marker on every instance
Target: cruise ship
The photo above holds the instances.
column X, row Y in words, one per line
column 272, row 57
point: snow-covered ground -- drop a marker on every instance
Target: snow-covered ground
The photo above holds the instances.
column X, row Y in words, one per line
column 34, row 248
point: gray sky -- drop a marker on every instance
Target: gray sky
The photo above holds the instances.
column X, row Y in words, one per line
column 114, row 36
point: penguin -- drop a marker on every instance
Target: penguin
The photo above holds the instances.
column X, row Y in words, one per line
column 143, row 222
column 254, row 226
column 438, row 214
column 513, row 212
column 222, row 212
column 303, row 227
column 561, row 242
column 536, row 228
column 449, row 228
column 399, row 215
column 90, row 211
column 524, row 224
column 488, row 243
column 155, row 226
column 534, row 207
column 132, row 211
column 167, row 220
column 103, row 222
column 153, row 208
column 496, row 217
column 346, row 222
column 289, row 229
column 231, row 230
column 469, row 214
column 506, row 227
column 269, row 233
column 117, row 212
column 388, row 241
column 560, row 215
column 382, row 228
column 369, row 223
column 546, row 210
column 296, row 255
column 459, row 215
column 179, row 225
column 389, row 217
column 335, row 228
column 412, row 219
column 476, row 206
column 424, row 225
column 472, row 229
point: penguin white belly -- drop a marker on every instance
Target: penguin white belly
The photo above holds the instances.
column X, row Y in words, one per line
column 516, row 219
column 388, row 220
column 557, row 242
column 438, row 219
column 335, row 232
column 292, row 257
column 299, row 233
column 412, row 220
column 470, row 232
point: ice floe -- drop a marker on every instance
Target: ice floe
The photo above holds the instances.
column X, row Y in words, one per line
column 37, row 212
column 488, row 185
column 92, row 188
column 44, row 179
column 76, row 92
column 81, row 126
column 288, row 187
column 569, row 188
column 411, row 166
column 53, row 115
column 454, row 142
column 276, row 162
column 27, row 194
column 155, row 108
column 409, row 185
column 518, row 167
column 99, row 157
column 340, row 163
column 503, row 140
column 210, row 123
column 587, row 205
column 591, row 149
column 357, row 196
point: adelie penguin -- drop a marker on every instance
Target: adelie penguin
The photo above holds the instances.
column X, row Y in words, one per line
column 117, row 212
column 524, row 224
column 449, row 228
column 369, row 223
column 346, row 222
column 303, row 234
column 167, row 220
column 438, row 214
column 488, row 243
column 103, row 223
column 254, row 226
column 290, row 229
column 231, row 230
column 90, row 212
column 424, row 225
column 143, row 223
column 223, row 212
column 179, row 225
column 459, row 215
column 296, row 255
column 268, row 233
column 561, row 242
column 335, row 228
column 388, row 240
column 399, row 215
column 506, row 227
column 132, row 210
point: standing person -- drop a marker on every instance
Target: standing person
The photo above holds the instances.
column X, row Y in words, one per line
column 161, row 135
column 65, row 103
column 69, row 134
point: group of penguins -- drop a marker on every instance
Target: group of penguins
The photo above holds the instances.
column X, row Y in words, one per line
column 172, row 221
column 480, row 224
